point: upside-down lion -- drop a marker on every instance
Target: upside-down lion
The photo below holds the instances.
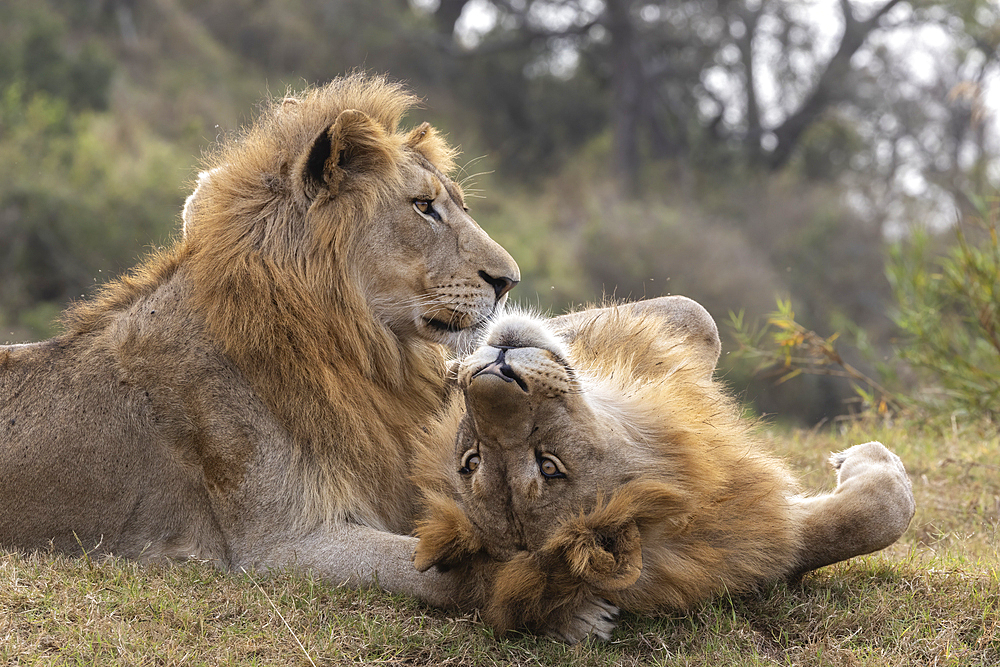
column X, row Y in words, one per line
column 597, row 457
column 255, row 393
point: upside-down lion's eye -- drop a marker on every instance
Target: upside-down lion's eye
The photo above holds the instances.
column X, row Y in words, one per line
column 470, row 461
column 550, row 467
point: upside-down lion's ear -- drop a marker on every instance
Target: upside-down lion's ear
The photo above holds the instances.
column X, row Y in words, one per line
column 609, row 559
column 447, row 537
column 419, row 134
column 604, row 547
column 354, row 144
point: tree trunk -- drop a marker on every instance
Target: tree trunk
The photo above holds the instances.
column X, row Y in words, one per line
column 447, row 15
column 626, row 101
column 828, row 88
column 745, row 44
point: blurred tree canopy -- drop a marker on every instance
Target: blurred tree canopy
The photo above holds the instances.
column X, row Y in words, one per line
column 730, row 150
column 760, row 82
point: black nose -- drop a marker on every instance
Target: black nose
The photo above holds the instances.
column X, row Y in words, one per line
column 500, row 285
column 502, row 369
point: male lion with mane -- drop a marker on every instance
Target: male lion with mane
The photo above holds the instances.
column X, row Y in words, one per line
column 597, row 457
column 255, row 394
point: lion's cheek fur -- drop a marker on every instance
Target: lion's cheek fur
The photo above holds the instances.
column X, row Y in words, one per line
column 447, row 537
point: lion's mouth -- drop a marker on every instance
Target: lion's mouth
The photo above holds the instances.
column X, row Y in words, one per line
column 450, row 326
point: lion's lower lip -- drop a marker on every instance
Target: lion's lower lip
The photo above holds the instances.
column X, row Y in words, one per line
column 441, row 325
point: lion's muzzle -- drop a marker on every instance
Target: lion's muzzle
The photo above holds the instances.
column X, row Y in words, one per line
column 501, row 369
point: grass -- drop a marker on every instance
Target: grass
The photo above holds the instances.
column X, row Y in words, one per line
column 931, row 599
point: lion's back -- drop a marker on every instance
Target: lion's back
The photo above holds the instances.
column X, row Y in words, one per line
column 95, row 446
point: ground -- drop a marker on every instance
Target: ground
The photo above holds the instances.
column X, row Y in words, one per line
column 931, row 599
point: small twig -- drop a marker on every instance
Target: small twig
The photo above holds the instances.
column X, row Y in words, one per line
column 275, row 608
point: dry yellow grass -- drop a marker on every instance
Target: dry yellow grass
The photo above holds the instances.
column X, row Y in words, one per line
column 931, row 599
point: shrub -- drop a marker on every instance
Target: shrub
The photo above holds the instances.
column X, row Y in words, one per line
column 948, row 310
column 948, row 315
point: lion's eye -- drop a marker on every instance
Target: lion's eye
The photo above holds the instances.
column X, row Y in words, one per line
column 425, row 207
column 550, row 467
column 470, row 462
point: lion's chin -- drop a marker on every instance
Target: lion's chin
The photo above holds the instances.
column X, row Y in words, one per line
column 445, row 326
column 457, row 336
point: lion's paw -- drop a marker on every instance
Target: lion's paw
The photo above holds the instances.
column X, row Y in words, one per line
column 866, row 458
column 881, row 489
column 596, row 617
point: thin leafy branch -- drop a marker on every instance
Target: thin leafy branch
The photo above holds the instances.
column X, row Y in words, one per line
column 949, row 313
column 785, row 348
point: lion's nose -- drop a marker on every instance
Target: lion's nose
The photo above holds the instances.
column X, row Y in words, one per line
column 501, row 369
column 500, row 285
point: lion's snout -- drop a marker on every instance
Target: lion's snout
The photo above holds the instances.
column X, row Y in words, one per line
column 501, row 369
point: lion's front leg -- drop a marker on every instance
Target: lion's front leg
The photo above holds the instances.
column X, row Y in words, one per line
column 357, row 556
column 869, row 510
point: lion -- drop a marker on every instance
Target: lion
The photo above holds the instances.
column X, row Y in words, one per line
column 254, row 394
column 596, row 457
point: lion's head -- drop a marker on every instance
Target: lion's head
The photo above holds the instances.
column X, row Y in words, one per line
column 326, row 190
column 598, row 456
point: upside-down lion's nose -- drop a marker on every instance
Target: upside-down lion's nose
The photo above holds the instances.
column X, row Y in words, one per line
column 501, row 369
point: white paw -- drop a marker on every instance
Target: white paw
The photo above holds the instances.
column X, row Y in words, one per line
column 864, row 458
column 879, row 488
column 596, row 617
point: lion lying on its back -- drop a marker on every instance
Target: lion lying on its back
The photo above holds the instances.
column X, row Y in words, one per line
column 598, row 457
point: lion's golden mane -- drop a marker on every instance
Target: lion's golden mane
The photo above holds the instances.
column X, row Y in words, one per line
column 261, row 284
column 253, row 394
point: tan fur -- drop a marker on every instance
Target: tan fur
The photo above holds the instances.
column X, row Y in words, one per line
column 663, row 495
column 255, row 393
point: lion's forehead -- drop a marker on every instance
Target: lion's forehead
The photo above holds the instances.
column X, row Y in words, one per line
column 436, row 181
column 520, row 328
column 521, row 519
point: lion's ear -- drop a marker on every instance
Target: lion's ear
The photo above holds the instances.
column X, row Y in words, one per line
column 608, row 558
column 354, row 144
column 446, row 536
column 419, row 134
column 604, row 547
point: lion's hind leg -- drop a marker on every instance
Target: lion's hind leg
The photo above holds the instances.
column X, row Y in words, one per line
column 869, row 510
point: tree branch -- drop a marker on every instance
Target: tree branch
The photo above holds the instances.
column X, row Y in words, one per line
column 826, row 90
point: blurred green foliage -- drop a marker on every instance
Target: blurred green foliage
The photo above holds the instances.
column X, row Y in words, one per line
column 80, row 194
column 948, row 311
column 106, row 104
column 37, row 54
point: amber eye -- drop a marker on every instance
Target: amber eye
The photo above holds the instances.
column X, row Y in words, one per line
column 470, row 461
column 550, row 468
column 425, row 207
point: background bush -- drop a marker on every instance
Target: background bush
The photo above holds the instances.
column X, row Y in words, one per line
column 597, row 147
